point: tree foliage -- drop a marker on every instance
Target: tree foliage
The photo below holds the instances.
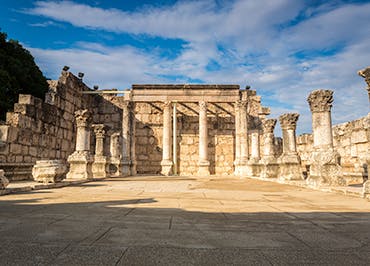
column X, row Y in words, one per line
column 18, row 74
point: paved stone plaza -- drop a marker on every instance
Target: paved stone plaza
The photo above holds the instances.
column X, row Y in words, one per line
column 183, row 221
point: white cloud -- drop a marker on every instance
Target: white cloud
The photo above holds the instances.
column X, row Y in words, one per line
column 252, row 42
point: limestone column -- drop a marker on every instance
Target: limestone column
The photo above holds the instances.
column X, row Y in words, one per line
column 241, row 138
column 115, row 159
column 81, row 160
column 255, row 145
column 365, row 73
column 289, row 161
column 166, row 162
column 133, row 139
column 253, row 167
column 203, row 140
column 237, row 107
column 100, row 165
column 324, row 168
column 270, row 167
column 126, row 137
column 243, row 133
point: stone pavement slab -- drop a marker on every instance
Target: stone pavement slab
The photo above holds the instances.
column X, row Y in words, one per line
column 183, row 221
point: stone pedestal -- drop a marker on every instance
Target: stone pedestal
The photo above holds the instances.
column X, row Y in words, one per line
column 166, row 162
column 49, row 171
column 253, row 166
column 4, row 182
column 203, row 163
column 289, row 161
column 366, row 189
column 81, row 161
column 324, row 160
column 270, row 167
column 100, row 165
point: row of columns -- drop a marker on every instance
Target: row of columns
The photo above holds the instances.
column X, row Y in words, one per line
column 84, row 165
column 169, row 158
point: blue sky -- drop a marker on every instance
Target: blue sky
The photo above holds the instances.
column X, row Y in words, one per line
column 283, row 48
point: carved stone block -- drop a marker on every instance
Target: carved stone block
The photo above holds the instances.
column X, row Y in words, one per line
column 325, row 169
column 4, row 182
column 49, row 171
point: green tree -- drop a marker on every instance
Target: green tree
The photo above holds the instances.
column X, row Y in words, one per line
column 18, row 74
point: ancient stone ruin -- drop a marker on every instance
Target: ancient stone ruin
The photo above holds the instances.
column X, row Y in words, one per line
column 83, row 133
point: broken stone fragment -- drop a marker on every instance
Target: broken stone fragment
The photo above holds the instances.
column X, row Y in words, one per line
column 4, row 182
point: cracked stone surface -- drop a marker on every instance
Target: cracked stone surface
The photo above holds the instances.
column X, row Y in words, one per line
column 157, row 220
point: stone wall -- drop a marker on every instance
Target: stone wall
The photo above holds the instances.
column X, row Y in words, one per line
column 351, row 141
column 37, row 130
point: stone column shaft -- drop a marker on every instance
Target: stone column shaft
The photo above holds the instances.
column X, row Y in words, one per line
column 126, row 131
column 83, row 132
column 203, row 140
column 243, row 133
column 133, row 140
column 268, row 137
column 125, row 162
column 269, row 164
column 167, row 134
column 81, row 161
column 100, row 164
column 237, row 134
column 255, row 145
column 290, row 162
column 99, row 139
column 288, row 123
column 320, row 102
column 324, row 168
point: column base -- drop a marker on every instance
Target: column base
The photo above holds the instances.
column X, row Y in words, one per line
column 100, row 167
column 80, row 165
column 290, row 167
column 237, row 167
column 203, row 169
column 325, row 169
column 49, row 171
column 269, row 167
column 240, row 167
column 167, row 167
column 4, row 182
column 366, row 190
column 125, row 169
column 252, row 168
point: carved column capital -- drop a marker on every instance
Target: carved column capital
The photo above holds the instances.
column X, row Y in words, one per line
column 167, row 104
column 99, row 130
column 365, row 73
column 288, row 121
column 268, row 125
column 203, row 106
column 320, row 100
column 83, row 118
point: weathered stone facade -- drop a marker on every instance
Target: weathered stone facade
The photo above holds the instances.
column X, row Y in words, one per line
column 177, row 130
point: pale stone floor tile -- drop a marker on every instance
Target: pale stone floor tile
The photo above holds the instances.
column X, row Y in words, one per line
column 158, row 221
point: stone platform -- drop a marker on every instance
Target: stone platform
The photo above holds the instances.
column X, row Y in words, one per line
column 183, row 220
